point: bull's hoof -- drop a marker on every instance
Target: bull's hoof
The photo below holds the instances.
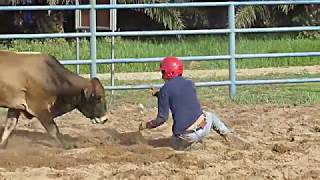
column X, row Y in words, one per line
column 61, row 143
column 68, row 146
column 3, row 145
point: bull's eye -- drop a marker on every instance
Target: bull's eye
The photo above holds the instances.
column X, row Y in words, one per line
column 98, row 98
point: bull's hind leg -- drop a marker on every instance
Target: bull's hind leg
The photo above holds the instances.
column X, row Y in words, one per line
column 53, row 131
column 12, row 120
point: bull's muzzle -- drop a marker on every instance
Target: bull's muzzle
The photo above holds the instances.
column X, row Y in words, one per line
column 99, row 120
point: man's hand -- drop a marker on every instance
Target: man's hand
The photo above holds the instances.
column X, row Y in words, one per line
column 150, row 124
column 154, row 91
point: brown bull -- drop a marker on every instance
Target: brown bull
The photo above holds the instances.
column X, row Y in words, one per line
column 37, row 85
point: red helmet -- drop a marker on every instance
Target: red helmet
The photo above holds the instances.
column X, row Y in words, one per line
column 171, row 67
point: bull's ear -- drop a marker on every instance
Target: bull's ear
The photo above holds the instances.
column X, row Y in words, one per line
column 87, row 93
column 97, row 87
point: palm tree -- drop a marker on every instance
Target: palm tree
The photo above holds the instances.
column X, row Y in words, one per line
column 169, row 17
column 263, row 15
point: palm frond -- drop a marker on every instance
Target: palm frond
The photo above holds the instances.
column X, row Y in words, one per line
column 169, row 17
column 195, row 18
column 248, row 15
column 286, row 8
column 263, row 15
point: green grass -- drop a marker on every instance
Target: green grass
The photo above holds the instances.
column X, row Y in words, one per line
column 279, row 95
column 297, row 94
column 293, row 95
column 284, row 94
column 287, row 94
column 185, row 46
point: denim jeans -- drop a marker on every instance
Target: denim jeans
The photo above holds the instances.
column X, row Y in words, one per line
column 184, row 140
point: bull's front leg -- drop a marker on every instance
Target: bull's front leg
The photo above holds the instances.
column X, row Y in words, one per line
column 12, row 120
column 52, row 130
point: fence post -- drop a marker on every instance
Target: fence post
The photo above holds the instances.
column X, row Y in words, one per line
column 78, row 53
column 93, row 39
column 113, row 27
column 77, row 24
column 232, row 51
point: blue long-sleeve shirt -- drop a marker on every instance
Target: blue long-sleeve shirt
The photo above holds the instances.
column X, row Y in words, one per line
column 178, row 95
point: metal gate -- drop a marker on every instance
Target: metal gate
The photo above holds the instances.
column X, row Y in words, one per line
column 231, row 30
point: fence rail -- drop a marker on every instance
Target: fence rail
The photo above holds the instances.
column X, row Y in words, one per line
column 158, row 5
column 159, row 33
column 231, row 30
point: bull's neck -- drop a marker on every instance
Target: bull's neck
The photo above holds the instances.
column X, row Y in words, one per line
column 75, row 84
column 65, row 104
column 70, row 95
column 78, row 81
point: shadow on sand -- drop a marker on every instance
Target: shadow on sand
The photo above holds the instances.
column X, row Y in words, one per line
column 34, row 137
column 100, row 136
column 135, row 137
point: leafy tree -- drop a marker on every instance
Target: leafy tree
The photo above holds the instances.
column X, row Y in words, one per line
column 311, row 17
column 169, row 17
column 260, row 15
column 266, row 16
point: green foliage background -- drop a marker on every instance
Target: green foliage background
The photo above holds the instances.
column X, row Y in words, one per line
column 177, row 46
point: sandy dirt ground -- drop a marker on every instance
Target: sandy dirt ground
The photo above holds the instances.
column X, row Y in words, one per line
column 285, row 145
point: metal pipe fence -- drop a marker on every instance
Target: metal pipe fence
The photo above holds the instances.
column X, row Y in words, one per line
column 231, row 31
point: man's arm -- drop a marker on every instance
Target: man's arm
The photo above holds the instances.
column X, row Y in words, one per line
column 163, row 111
column 155, row 123
column 152, row 123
